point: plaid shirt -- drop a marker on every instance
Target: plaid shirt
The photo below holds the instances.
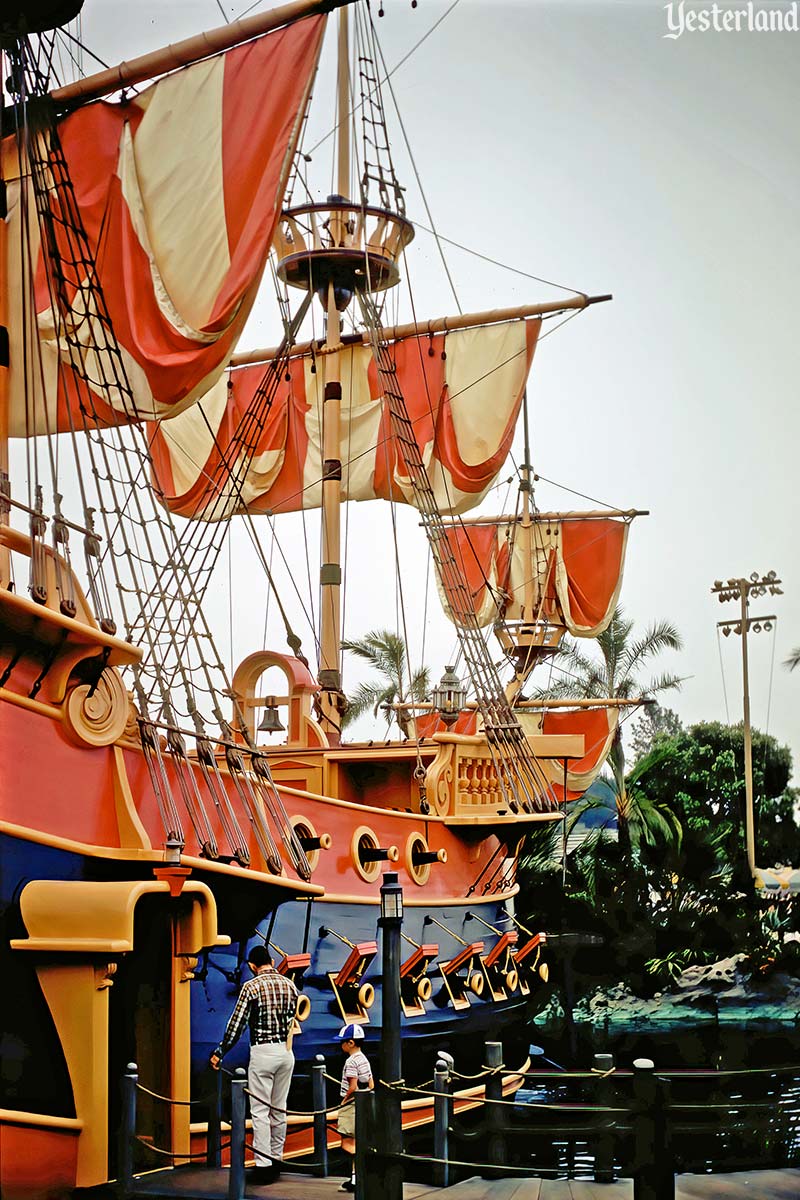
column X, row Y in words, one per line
column 268, row 1002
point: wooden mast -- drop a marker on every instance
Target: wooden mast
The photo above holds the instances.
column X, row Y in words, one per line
column 330, row 578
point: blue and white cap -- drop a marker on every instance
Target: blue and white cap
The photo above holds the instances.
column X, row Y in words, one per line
column 352, row 1032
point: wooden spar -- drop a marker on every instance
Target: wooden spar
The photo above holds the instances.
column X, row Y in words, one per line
column 611, row 702
column 594, row 514
column 190, row 50
column 438, row 325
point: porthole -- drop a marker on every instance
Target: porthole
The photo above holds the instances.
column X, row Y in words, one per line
column 362, row 842
column 304, row 829
column 420, row 872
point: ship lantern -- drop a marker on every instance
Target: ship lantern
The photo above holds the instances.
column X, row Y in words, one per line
column 271, row 721
column 391, row 898
column 449, row 696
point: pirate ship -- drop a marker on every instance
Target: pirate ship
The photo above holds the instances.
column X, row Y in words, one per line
column 149, row 831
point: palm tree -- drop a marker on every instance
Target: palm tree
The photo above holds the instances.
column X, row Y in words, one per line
column 616, row 674
column 793, row 660
column 386, row 654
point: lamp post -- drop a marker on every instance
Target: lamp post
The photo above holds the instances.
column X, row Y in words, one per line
column 391, row 1125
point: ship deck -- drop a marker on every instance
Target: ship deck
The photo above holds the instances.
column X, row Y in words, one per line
column 198, row 1183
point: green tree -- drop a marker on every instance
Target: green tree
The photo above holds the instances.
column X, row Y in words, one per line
column 701, row 774
column 655, row 722
column 616, row 672
column 385, row 652
column 705, row 897
column 793, row 660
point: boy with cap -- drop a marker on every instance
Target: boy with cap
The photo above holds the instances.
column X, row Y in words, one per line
column 356, row 1070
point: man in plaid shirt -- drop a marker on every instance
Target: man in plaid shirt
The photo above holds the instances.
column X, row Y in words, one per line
column 267, row 1003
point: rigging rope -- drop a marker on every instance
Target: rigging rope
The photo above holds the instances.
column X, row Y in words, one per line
column 168, row 615
column 520, row 778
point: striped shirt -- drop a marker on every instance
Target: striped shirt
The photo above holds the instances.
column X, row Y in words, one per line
column 268, row 1002
column 356, row 1066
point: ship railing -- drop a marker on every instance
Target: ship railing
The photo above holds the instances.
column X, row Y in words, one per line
column 338, row 227
column 463, row 780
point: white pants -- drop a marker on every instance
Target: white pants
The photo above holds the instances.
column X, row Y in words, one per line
column 268, row 1078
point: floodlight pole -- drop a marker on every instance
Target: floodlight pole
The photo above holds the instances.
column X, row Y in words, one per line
column 749, row 812
column 741, row 590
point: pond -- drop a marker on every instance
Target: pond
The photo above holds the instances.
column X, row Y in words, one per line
column 749, row 1116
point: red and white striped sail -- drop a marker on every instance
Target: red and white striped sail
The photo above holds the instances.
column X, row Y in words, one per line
column 567, row 571
column 179, row 191
column 462, row 390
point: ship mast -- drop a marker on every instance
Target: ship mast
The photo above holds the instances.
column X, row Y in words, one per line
column 330, row 578
column 334, row 250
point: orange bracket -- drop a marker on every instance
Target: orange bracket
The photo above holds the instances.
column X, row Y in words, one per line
column 500, row 966
column 356, row 963
column 415, row 986
column 500, row 949
column 352, row 997
column 457, row 984
column 295, row 966
column 533, row 946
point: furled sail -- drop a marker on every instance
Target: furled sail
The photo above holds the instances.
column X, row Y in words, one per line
column 178, row 191
column 463, row 391
column 566, row 570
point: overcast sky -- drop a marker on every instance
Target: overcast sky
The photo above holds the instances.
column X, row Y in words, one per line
column 574, row 142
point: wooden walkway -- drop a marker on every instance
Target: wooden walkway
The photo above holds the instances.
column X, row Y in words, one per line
column 194, row 1183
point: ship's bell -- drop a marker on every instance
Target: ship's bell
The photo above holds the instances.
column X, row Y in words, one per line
column 271, row 720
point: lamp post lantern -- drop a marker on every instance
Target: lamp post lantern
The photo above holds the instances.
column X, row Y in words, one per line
column 449, row 696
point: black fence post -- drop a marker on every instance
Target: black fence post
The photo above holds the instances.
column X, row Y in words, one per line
column 644, row 1130
column 238, row 1107
column 604, row 1146
column 665, row 1156
column 654, row 1169
column 320, row 1104
column 127, row 1128
column 441, row 1125
column 495, row 1121
column 214, row 1134
column 370, row 1170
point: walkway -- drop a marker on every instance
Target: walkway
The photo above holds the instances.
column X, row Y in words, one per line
column 195, row 1183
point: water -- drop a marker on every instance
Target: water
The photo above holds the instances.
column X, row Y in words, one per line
column 745, row 1120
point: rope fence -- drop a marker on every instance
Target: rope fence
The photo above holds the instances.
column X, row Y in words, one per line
column 608, row 1122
